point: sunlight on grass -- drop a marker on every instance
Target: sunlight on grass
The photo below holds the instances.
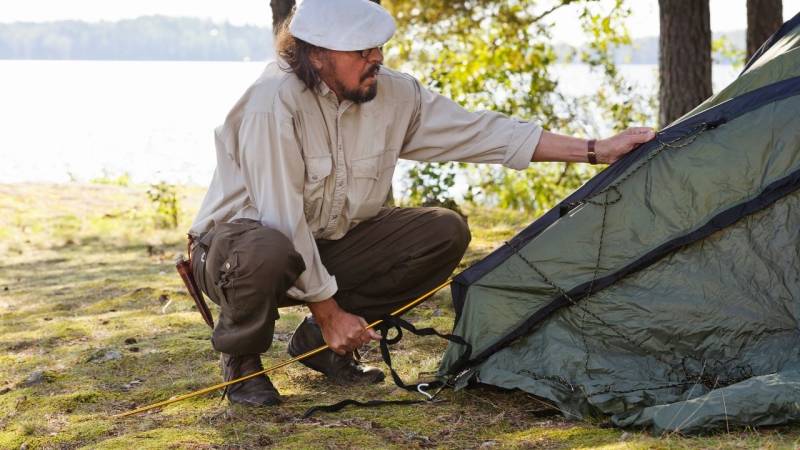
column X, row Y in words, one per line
column 94, row 322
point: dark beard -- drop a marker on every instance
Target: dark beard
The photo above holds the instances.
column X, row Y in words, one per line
column 362, row 95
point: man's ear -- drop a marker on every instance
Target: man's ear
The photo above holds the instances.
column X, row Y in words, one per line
column 317, row 58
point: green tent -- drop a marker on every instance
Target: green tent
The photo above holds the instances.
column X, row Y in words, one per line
column 665, row 293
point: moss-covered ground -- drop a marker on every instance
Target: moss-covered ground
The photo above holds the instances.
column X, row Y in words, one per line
column 94, row 321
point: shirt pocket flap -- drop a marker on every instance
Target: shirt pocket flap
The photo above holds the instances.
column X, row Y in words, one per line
column 318, row 168
column 372, row 166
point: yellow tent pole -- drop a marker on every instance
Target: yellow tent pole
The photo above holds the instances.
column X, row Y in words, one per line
column 305, row 355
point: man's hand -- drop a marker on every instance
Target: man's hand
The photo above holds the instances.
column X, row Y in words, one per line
column 611, row 149
column 560, row 148
column 342, row 331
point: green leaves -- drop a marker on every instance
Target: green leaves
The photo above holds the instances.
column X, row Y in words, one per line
column 499, row 55
column 164, row 198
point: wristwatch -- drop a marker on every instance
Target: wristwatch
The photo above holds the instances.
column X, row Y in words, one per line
column 591, row 156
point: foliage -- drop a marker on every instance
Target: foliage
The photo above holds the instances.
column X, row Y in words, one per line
column 164, row 197
column 724, row 50
column 499, row 55
column 123, row 180
column 432, row 184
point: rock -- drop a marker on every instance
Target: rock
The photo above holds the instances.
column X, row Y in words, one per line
column 37, row 377
column 130, row 341
column 112, row 355
column 488, row 444
column 104, row 355
column 24, row 446
column 625, row 436
column 134, row 383
column 282, row 337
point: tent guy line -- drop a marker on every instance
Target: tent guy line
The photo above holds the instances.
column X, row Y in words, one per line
column 216, row 387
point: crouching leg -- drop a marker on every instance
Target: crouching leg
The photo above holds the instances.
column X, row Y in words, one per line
column 246, row 269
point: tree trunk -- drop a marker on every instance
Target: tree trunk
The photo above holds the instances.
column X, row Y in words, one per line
column 764, row 17
column 684, row 57
column 280, row 10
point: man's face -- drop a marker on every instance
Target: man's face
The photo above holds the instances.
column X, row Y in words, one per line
column 352, row 76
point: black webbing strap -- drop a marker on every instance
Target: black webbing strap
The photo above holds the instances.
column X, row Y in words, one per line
column 350, row 402
column 398, row 324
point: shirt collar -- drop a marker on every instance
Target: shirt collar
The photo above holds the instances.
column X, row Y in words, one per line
column 323, row 90
column 326, row 92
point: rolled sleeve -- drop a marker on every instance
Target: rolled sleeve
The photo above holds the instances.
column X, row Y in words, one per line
column 274, row 173
column 441, row 130
column 520, row 149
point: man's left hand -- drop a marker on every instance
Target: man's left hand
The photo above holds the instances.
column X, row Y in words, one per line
column 611, row 149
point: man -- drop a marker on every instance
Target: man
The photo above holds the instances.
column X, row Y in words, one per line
column 305, row 160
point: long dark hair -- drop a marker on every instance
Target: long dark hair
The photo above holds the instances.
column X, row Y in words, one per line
column 297, row 54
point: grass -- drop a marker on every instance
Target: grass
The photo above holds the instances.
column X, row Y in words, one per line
column 94, row 321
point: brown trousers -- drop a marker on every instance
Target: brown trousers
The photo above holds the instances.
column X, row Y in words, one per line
column 379, row 265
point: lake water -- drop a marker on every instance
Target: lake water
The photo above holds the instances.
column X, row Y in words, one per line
column 78, row 120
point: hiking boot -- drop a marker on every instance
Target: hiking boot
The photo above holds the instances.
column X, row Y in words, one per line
column 339, row 369
column 257, row 391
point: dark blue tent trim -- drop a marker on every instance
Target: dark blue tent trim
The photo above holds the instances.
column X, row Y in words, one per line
column 768, row 196
column 719, row 114
column 782, row 31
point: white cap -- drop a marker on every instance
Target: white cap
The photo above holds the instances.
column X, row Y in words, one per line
column 342, row 24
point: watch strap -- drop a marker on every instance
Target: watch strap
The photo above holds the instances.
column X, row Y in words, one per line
column 591, row 155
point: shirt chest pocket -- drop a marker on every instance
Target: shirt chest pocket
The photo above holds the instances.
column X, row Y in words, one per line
column 374, row 167
column 371, row 180
column 318, row 169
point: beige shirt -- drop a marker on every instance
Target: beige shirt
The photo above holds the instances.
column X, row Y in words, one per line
column 304, row 164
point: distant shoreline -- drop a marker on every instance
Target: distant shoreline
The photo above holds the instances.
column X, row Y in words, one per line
column 142, row 38
column 138, row 60
column 246, row 61
column 162, row 38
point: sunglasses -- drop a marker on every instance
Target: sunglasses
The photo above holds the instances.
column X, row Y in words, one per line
column 368, row 51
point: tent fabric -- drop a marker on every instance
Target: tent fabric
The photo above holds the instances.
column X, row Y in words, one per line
column 665, row 293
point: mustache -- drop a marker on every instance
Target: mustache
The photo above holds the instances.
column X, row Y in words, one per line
column 372, row 71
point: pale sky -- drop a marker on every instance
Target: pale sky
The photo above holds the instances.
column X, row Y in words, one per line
column 725, row 14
